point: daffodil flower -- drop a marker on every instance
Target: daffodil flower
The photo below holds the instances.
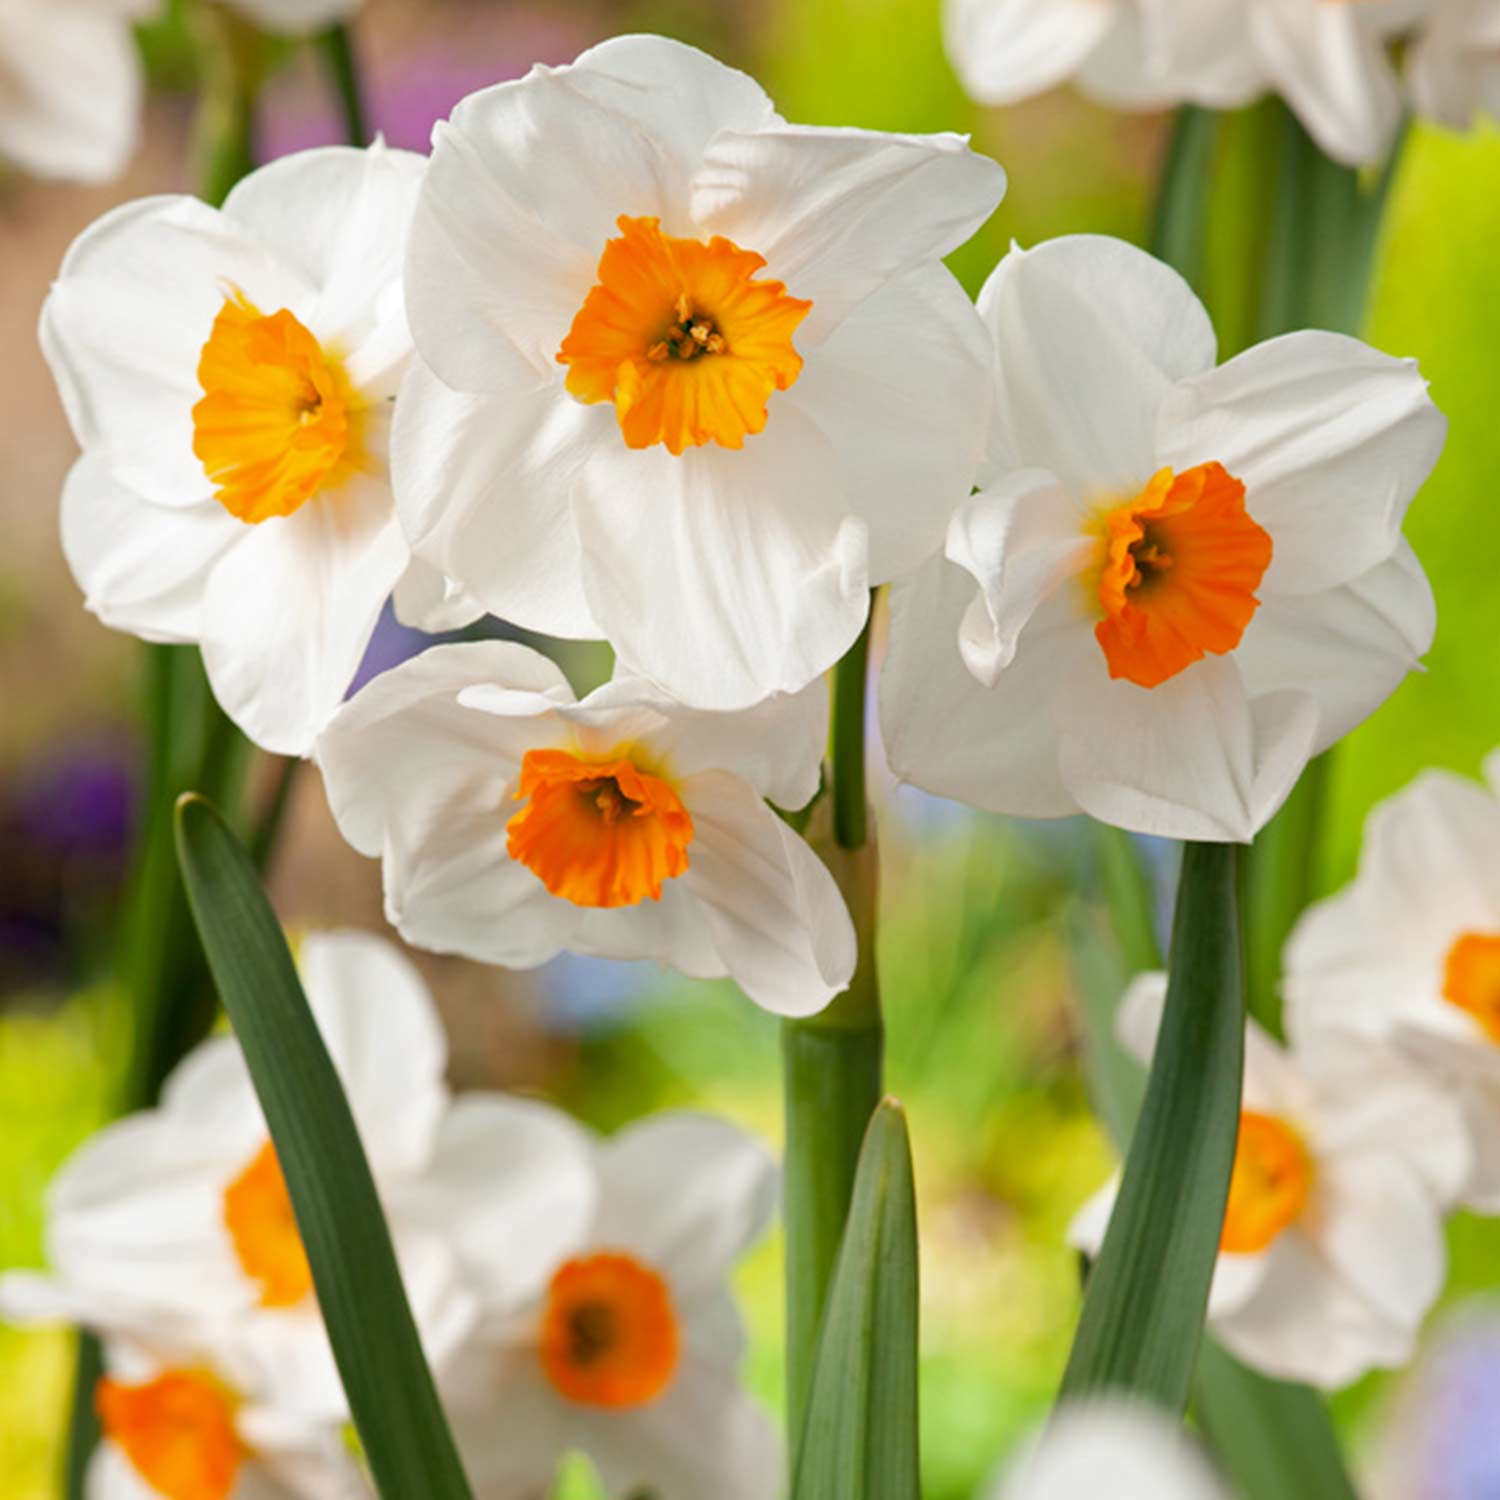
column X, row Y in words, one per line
column 1453, row 66
column 515, row 821
column 692, row 379
column 1332, row 1250
column 230, row 377
column 179, row 1218
column 1190, row 579
column 628, row 1345
column 293, row 17
column 1410, row 952
column 71, row 86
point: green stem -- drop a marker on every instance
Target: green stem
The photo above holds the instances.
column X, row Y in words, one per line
column 1127, row 893
column 83, row 1419
column 231, row 63
column 337, row 46
column 832, row 1062
column 1179, row 229
column 267, row 831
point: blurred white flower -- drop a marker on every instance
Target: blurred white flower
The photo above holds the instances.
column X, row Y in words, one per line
column 1410, row 952
column 294, row 17
column 695, row 379
column 229, row 375
column 1116, row 1448
column 628, row 1346
column 71, row 86
column 1190, row 579
column 1453, row 67
column 515, row 822
column 178, row 1218
column 1332, row 1250
column 1330, row 59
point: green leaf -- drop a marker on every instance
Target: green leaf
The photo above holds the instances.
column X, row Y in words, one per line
column 1146, row 1300
column 860, row 1438
column 375, row 1343
column 1179, row 231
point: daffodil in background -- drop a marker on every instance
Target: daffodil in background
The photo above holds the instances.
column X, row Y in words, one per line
column 515, row 821
column 229, row 375
column 628, row 1345
column 1178, row 582
column 692, row 379
column 1332, row 1248
column 1409, row 954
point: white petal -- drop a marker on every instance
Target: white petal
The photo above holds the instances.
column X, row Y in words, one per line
column 511, row 1187
column 70, row 102
column 124, row 328
column 902, row 392
column 1190, row 759
column 1331, row 438
column 725, row 576
column 1348, row 648
column 209, row 1092
column 1008, row 50
column 773, row 911
column 142, row 567
column 427, row 600
column 112, row 1476
column 670, row 931
column 703, row 1436
column 837, row 213
column 1138, row 1015
column 687, row 1194
column 1087, row 1228
column 994, row 748
column 1019, row 540
column 1091, row 333
column 517, row 1458
column 296, row 17
column 291, row 607
column 482, row 487
column 382, row 1031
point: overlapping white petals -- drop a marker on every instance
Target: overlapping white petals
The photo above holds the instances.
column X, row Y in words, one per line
column 1343, row 1288
column 1106, row 377
column 1453, row 68
column 296, row 17
column 71, row 86
column 422, row 771
column 723, row 574
column 285, row 608
column 1370, row 964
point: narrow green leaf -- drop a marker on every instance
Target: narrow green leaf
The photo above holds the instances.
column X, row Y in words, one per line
column 375, row 1342
column 1146, row 1300
column 1179, row 230
column 860, row 1437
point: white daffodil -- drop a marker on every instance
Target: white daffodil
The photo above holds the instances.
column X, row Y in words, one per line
column 515, row 821
column 695, row 379
column 229, row 375
column 1332, row 1250
column 295, row 17
column 1410, row 952
column 627, row 1349
column 1190, row 579
column 1329, row 59
column 1453, row 67
column 71, row 85
column 1114, row 1448
column 179, row 1217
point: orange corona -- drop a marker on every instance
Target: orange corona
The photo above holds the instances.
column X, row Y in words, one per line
column 683, row 339
column 258, row 1215
column 609, row 1332
column 1181, row 563
column 279, row 420
column 178, row 1431
column 1270, row 1186
column 598, row 833
column 1471, row 979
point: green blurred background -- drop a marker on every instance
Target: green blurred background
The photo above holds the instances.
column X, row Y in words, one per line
column 979, row 913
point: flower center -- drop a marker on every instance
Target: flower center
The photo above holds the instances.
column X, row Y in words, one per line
column 1471, row 979
column 1270, row 1185
column 279, row 420
column 598, row 833
column 177, row 1431
column 258, row 1214
column 609, row 1332
column 1181, row 563
column 682, row 338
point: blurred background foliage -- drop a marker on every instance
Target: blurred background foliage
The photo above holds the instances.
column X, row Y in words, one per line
column 977, row 972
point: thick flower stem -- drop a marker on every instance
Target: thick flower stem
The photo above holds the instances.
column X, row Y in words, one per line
column 337, row 46
column 832, row 1062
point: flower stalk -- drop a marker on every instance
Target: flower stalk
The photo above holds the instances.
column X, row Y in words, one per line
column 337, row 46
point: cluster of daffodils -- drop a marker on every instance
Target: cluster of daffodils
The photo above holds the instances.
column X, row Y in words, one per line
column 571, row 1293
column 71, row 84
column 1383, row 1112
column 1347, row 68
